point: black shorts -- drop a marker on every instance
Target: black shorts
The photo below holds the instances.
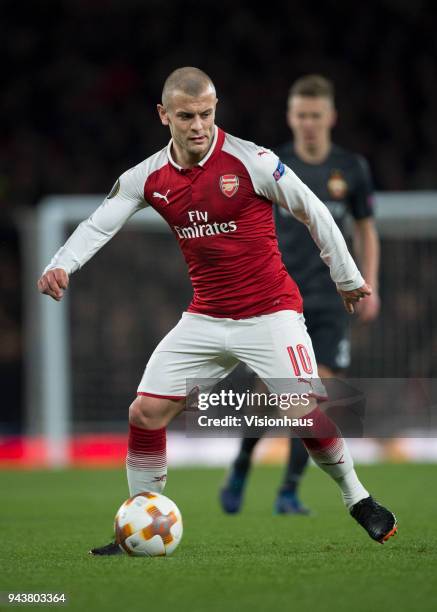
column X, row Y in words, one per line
column 329, row 330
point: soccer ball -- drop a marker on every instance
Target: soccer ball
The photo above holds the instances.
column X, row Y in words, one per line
column 148, row 525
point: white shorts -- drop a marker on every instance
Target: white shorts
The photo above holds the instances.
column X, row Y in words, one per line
column 275, row 346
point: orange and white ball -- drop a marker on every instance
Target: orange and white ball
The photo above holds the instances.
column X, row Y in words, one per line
column 148, row 525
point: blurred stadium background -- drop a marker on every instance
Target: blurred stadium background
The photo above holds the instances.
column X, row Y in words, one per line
column 79, row 90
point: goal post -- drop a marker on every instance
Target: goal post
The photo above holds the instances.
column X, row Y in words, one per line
column 408, row 218
column 48, row 385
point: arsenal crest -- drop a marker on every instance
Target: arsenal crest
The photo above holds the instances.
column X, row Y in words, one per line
column 229, row 184
column 337, row 185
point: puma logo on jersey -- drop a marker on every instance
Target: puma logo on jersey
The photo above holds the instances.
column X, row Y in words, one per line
column 156, row 194
column 262, row 153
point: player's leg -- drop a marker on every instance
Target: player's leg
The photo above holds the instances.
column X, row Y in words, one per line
column 328, row 329
column 194, row 349
column 288, row 500
column 232, row 493
column 329, row 451
column 146, row 461
column 279, row 350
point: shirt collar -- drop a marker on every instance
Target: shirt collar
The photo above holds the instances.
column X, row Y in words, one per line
column 203, row 161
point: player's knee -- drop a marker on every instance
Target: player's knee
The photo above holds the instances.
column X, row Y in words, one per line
column 151, row 413
column 143, row 413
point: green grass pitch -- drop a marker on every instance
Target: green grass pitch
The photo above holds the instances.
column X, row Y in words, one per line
column 253, row 561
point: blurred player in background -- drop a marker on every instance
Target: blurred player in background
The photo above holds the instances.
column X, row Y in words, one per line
column 216, row 192
column 341, row 180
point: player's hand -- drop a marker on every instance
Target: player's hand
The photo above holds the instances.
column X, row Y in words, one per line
column 368, row 309
column 353, row 297
column 53, row 283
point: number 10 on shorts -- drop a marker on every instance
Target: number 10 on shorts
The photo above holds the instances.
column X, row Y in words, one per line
column 300, row 359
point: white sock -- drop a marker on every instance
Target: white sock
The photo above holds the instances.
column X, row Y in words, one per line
column 146, row 461
column 145, row 480
column 351, row 488
column 333, row 457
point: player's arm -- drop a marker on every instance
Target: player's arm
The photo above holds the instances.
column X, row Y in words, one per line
column 278, row 183
column 365, row 237
column 91, row 235
column 296, row 197
column 366, row 247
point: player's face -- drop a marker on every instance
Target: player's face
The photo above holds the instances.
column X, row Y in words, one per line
column 311, row 120
column 191, row 123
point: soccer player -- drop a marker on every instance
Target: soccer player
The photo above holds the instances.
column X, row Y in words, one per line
column 216, row 193
column 341, row 180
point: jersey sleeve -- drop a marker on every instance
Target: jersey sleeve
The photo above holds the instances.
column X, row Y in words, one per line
column 362, row 196
column 278, row 183
column 125, row 199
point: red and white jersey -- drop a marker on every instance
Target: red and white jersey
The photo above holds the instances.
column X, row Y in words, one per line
column 221, row 214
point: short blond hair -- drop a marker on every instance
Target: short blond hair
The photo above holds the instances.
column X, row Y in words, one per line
column 312, row 86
